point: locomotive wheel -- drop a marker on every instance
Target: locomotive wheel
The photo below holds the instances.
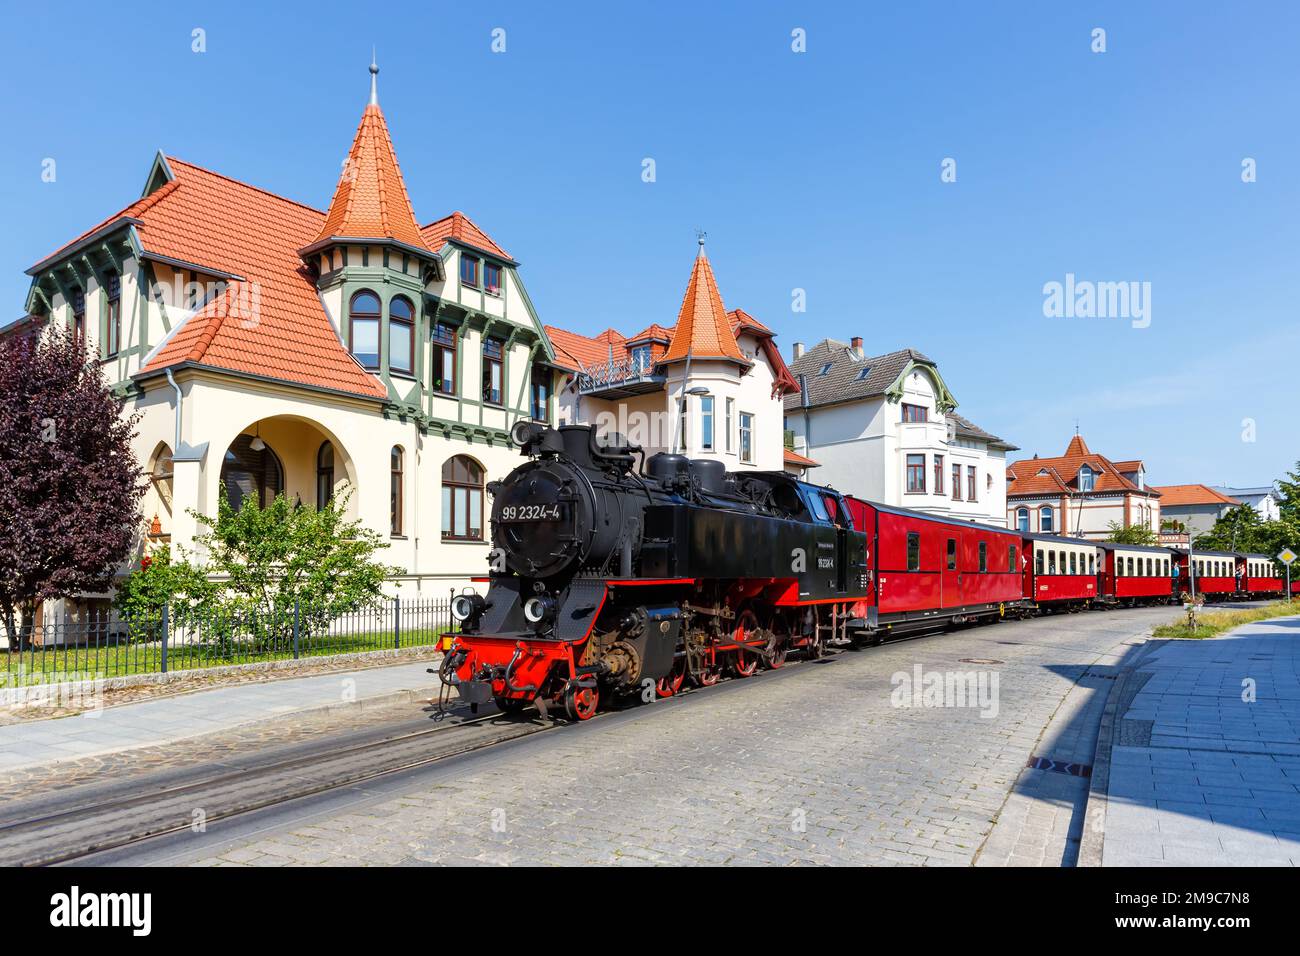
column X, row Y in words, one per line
column 745, row 663
column 778, row 645
column 671, row 684
column 709, row 676
column 581, row 702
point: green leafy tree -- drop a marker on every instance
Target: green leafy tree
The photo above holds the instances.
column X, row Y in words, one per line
column 270, row 561
column 159, row 581
column 1240, row 529
column 1288, row 491
column 1133, row 534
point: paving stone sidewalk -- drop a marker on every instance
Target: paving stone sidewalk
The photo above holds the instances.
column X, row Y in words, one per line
column 169, row 719
column 1205, row 770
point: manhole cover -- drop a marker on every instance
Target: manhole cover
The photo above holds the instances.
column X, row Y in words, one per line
column 978, row 660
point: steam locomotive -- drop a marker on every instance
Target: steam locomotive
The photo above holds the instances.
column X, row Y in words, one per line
column 616, row 574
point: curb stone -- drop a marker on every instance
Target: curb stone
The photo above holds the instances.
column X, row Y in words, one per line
column 1093, row 839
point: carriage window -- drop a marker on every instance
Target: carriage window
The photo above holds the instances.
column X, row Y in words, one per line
column 984, row 556
column 952, row 554
column 1038, row 562
column 913, row 551
column 1092, row 564
column 1011, row 558
column 1150, row 567
column 1074, row 568
column 1051, row 562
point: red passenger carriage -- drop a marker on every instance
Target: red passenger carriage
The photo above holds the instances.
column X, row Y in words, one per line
column 1135, row 574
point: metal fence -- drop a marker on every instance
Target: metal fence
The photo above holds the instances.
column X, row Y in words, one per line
column 184, row 641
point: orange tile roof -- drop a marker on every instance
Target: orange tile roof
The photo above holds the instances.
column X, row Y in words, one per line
column 703, row 327
column 794, row 458
column 575, row 351
column 460, row 228
column 740, row 319
column 370, row 201
column 653, row 331
column 1191, row 495
column 1061, row 473
column 271, row 324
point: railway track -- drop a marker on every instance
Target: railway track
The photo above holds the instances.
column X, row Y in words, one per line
column 79, row 828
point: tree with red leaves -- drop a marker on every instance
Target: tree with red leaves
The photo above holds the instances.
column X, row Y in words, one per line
column 69, row 485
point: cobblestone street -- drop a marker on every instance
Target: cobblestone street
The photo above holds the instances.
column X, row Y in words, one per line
column 812, row 764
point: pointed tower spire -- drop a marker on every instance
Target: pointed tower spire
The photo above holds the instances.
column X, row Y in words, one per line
column 374, row 79
column 703, row 329
column 370, row 202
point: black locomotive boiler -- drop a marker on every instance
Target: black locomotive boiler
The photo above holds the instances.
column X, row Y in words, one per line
column 613, row 573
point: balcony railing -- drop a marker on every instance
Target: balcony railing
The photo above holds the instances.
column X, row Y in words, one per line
column 620, row 377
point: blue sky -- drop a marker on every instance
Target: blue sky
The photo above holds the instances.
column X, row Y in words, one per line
column 816, row 170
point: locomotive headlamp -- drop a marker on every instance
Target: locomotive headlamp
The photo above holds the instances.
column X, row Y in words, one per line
column 525, row 433
column 465, row 606
column 539, row 609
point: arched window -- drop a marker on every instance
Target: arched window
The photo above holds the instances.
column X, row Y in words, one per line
column 396, row 460
column 363, row 320
column 1022, row 519
column 249, row 473
column 324, row 475
column 1085, row 478
column 462, row 499
column 1046, row 518
column 161, row 477
column 401, row 335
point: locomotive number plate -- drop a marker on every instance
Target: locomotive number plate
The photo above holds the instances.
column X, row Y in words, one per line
column 526, row 513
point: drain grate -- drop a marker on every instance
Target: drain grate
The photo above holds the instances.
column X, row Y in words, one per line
column 1059, row 766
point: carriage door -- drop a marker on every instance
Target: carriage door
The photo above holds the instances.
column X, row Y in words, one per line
column 950, row 573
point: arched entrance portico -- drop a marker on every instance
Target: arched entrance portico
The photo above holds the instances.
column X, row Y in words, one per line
column 282, row 453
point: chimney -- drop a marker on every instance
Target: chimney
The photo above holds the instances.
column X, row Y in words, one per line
column 798, row 351
column 856, row 342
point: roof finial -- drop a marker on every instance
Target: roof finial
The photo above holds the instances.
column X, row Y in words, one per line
column 374, row 79
column 699, row 237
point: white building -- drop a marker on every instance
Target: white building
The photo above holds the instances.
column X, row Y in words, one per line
column 273, row 347
column 709, row 386
column 1262, row 499
column 885, row 428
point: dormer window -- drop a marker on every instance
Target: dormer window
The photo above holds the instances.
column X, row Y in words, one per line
column 642, row 358
column 826, row 369
column 363, row 322
column 491, row 278
column 1085, row 478
column 864, row 372
column 468, row 271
